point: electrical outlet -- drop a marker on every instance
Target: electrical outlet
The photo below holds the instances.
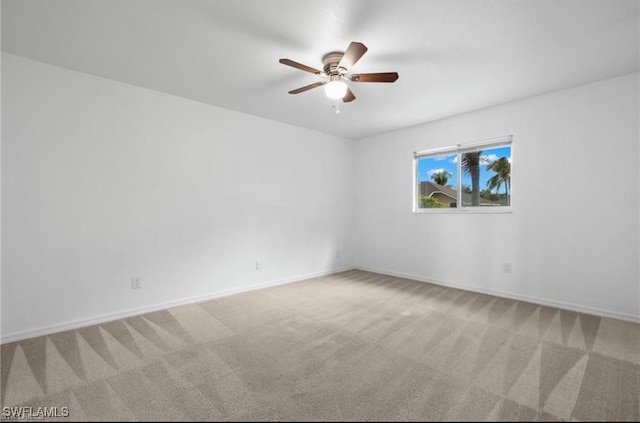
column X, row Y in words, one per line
column 136, row 282
column 258, row 265
column 506, row 267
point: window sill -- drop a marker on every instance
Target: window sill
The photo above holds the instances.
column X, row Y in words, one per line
column 466, row 210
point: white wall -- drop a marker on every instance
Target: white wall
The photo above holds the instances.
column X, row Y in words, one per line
column 102, row 181
column 573, row 235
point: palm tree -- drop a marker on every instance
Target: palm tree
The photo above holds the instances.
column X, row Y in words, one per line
column 441, row 177
column 471, row 164
column 502, row 168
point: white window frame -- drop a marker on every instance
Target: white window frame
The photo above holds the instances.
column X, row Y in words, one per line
column 460, row 149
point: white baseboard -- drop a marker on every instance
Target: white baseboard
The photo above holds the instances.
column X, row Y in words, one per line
column 536, row 300
column 80, row 323
column 76, row 324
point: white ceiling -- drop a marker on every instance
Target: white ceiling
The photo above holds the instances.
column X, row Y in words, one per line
column 453, row 56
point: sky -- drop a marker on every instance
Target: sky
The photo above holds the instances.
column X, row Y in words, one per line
column 428, row 166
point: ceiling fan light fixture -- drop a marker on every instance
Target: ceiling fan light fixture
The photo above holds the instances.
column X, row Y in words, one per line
column 335, row 89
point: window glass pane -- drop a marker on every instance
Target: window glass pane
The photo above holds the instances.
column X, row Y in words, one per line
column 486, row 177
column 437, row 181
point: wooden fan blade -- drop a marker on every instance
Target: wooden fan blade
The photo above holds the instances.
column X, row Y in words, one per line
column 375, row 77
column 348, row 96
column 307, row 88
column 299, row 66
column 354, row 52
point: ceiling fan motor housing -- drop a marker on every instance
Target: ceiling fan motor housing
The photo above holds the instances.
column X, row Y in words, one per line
column 331, row 62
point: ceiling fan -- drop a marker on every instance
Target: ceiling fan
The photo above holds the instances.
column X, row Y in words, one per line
column 337, row 66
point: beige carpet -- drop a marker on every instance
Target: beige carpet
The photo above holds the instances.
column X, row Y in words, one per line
column 350, row 346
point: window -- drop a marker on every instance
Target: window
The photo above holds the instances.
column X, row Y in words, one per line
column 466, row 176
